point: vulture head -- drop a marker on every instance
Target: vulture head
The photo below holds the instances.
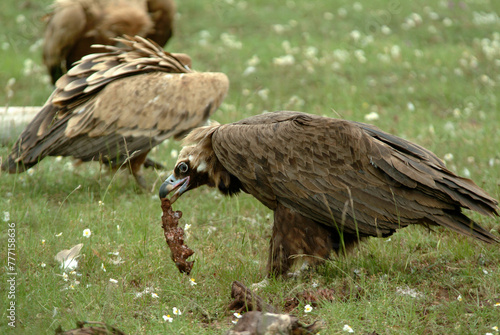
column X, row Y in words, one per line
column 197, row 165
column 331, row 183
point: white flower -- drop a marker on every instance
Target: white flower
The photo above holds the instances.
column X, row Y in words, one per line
column 114, row 281
column 101, row 203
column 192, row 282
column 43, row 265
column 284, row 60
column 372, row 116
column 237, row 315
column 167, row 318
column 6, row 216
column 308, row 309
column 495, row 328
column 385, row 30
column 459, row 298
column 176, row 311
column 154, row 295
column 174, row 153
column 448, row 157
column 65, row 276
column 103, row 268
column 497, row 304
column 410, row 106
column 249, row 70
column 348, row 329
column 58, row 235
column 87, row 233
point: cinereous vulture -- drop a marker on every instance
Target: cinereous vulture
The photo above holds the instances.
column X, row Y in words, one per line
column 114, row 107
column 74, row 26
column 330, row 182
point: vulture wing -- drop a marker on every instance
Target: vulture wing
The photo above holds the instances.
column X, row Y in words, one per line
column 347, row 175
column 118, row 103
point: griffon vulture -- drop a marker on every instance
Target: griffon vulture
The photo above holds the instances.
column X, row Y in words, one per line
column 75, row 25
column 330, row 182
column 115, row 106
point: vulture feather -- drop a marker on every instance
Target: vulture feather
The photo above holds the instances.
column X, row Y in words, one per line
column 330, row 182
column 75, row 25
column 115, row 106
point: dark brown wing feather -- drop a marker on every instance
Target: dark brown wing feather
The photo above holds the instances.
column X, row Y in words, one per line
column 113, row 104
column 347, row 175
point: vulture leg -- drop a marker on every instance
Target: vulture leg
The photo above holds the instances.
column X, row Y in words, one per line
column 296, row 237
column 149, row 163
column 135, row 164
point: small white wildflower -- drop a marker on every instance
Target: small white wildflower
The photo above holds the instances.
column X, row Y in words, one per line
column 254, row 61
column 385, row 30
column 495, row 328
column 238, row 315
column 118, row 227
column 328, row 16
column 485, row 271
column 174, row 153
column 373, row 116
column 249, row 70
column 342, row 12
column 234, row 321
column 20, row 18
column 348, row 329
column 459, row 298
column 192, row 282
column 103, row 268
column 308, row 308
column 447, row 22
column 101, row 203
column 355, row 35
column 6, row 216
column 167, row 318
column 114, row 281
column 466, row 173
column 263, row 94
column 154, row 295
column 448, row 157
column 497, row 304
column 410, row 106
column 58, row 235
column 284, row 60
column 43, row 265
column 176, row 311
column 65, row 276
column 87, row 233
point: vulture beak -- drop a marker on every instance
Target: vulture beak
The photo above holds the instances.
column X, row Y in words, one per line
column 171, row 184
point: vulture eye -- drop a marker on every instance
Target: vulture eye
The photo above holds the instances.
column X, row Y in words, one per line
column 183, row 167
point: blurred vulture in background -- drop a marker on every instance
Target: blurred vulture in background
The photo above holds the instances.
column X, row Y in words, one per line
column 330, row 182
column 75, row 25
column 114, row 107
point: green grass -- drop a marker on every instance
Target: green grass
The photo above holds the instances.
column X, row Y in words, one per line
column 449, row 73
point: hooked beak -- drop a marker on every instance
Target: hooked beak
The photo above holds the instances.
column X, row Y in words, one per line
column 171, row 184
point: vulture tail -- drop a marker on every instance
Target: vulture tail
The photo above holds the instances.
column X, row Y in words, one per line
column 466, row 226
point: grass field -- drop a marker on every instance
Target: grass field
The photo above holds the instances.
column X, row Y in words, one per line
column 427, row 71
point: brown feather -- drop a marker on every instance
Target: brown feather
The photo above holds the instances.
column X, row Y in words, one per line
column 75, row 25
column 105, row 113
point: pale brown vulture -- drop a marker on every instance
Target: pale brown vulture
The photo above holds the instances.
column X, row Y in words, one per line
column 75, row 25
column 329, row 182
column 118, row 105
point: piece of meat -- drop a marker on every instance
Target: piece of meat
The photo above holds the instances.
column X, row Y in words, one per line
column 174, row 235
